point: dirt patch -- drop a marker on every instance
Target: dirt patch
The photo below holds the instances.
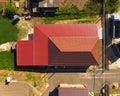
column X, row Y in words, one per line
column 6, row 46
column 37, row 80
column 77, row 21
column 24, row 28
column 67, row 22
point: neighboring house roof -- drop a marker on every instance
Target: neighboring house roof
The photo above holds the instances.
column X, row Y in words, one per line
column 73, row 92
column 49, row 3
column 65, row 45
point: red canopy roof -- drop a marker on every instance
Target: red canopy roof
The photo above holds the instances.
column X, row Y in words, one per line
column 62, row 44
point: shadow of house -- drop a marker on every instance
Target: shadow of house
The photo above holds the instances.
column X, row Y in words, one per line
column 114, row 52
column 51, row 69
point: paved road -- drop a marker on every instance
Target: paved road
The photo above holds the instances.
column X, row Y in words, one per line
column 94, row 81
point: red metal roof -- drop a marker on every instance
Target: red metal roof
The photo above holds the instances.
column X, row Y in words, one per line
column 25, row 53
column 73, row 92
column 74, row 44
column 61, row 30
column 65, row 44
column 40, row 47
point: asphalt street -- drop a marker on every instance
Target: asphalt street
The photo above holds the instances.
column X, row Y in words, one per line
column 94, row 80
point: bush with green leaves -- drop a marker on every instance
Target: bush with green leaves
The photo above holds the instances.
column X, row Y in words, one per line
column 10, row 10
column 112, row 6
column 68, row 10
column 65, row 13
column 94, row 7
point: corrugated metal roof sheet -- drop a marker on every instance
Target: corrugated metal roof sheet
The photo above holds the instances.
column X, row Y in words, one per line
column 74, row 44
column 61, row 30
column 40, row 47
column 25, row 53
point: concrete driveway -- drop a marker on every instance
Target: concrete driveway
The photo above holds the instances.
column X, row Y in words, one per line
column 15, row 89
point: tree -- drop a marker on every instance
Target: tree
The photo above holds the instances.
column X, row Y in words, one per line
column 94, row 7
column 10, row 10
column 112, row 6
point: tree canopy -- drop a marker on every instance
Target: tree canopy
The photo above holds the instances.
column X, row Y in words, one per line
column 94, row 7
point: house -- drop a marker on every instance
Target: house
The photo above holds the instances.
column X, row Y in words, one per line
column 43, row 6
column 76, row 90
column 60, row 45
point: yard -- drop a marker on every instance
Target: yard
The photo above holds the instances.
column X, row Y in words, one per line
column 6, row 60
column 8, row 32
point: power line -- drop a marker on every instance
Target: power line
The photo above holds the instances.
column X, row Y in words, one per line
column 104, row 36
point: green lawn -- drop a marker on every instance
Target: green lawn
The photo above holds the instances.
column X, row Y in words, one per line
column 8, row 32
column 57, row 17
column 6, row 60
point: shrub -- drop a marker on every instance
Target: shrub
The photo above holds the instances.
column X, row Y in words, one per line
column 112, row 6
column 67, row 10
column 30, row 76
column 10, row 10
column 92, row 8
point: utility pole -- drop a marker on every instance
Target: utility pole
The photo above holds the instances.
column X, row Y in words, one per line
column 104, row 36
